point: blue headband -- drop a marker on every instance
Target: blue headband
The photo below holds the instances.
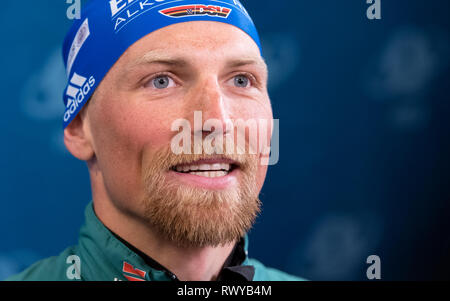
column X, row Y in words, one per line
column 108, row 28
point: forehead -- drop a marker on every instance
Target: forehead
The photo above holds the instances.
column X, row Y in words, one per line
column 198, row 40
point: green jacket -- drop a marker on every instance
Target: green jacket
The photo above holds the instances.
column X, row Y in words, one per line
column 101, row 256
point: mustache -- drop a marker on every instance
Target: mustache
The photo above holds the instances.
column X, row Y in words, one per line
column 167, row 159
column 170, row 160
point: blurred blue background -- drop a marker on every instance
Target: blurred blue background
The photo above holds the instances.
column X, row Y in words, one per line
column 364, row 147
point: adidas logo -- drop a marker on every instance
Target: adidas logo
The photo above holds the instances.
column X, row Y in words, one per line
column 76, row 92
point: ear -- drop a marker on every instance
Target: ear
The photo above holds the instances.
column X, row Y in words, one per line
column 77, row 137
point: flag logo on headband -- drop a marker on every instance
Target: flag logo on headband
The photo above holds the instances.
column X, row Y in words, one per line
column 196, row 10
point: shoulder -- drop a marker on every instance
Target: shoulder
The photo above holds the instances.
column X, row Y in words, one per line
column 264, row 273
column 55, row 268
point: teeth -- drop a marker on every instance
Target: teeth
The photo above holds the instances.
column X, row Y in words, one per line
column 204, row 167
column 209, row 174
column 216, row 166
column 193, row 167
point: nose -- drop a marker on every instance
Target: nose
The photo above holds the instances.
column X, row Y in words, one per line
column 209, row 99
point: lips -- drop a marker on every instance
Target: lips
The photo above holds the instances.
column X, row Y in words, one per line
column 206, row 168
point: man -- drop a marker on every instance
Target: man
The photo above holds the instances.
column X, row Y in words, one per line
column 157, row 213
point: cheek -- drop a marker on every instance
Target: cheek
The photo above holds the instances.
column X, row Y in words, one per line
column 122, row 133
column 251, row 108
column 258, row 116
column 130, row 127
column 261, row 176
column 261, row 113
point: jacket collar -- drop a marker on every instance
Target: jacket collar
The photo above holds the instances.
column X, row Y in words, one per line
column 108, row 257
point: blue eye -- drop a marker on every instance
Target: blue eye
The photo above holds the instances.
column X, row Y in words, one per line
column 241, row 81
column 161, row 82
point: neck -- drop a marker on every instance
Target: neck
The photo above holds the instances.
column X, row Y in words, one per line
column 188, row 264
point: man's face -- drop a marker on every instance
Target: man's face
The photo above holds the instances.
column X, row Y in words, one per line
column 190, row 199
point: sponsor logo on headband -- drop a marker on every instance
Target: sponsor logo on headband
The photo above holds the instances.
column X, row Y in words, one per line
column 123, row 11
column 81, row 37
column 76, row 92
column 196, row 10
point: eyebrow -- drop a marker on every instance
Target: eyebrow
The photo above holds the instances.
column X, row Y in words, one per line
column 246, row 62
column 159, row 57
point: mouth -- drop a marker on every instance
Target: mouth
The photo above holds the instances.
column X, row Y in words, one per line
column 207, row 168
column 215, row 174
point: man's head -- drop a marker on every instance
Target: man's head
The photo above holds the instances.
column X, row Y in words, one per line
column 126, row 132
